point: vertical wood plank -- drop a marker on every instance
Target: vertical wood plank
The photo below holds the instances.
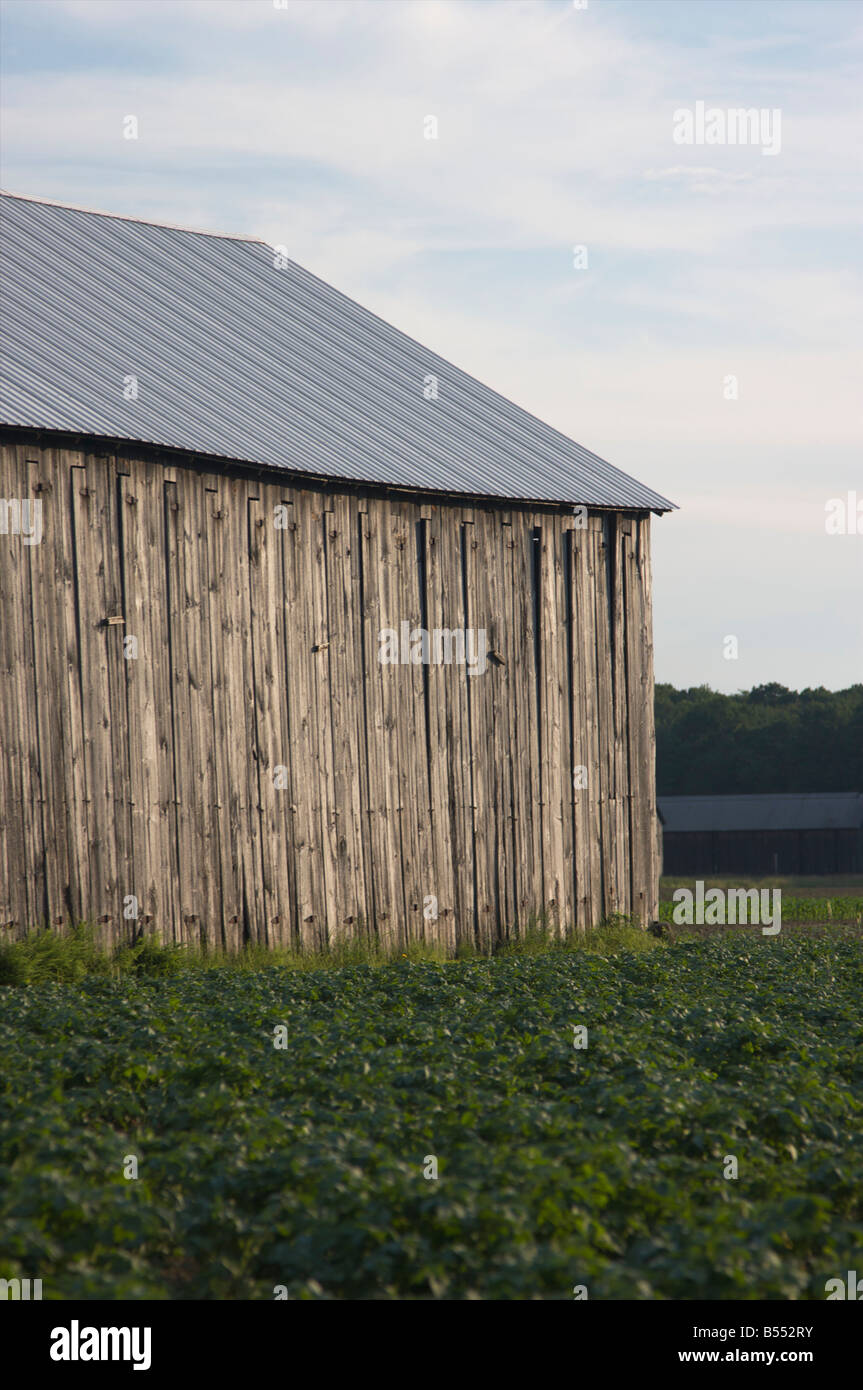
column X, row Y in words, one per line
column 446, row 748
column 153, row 876
column 622, row 848
column 416, row 838
column 381, row 613
column 10, row 914
column 604, row 712
column 236, row 627
column 342, row 592
column 550, row 694
column 45, row 621
column 490, row 708
column 560, row 692
column 311, row 723
column 177, row 655
column 645, row 888
column 272, row 724
column 516, row 759
column 585, row 751
column 209, row 930
column 221, row 544
column 528, row 670
column 193, row 732
column 312, row 506
column 97, row 600
column 483, row 850
column 299, row 762
column 112, row 562
column 634, row 723
column 24, row 844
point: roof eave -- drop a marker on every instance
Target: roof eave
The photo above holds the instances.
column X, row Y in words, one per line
column 299, row 476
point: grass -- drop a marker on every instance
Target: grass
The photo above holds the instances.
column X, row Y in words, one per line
column 805, row 900
column 805, row 885
column 44, row 955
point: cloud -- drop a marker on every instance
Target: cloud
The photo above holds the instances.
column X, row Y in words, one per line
column 700, row 178
column 305, row 127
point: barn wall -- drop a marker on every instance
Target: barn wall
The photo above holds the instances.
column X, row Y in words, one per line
column 159, row 777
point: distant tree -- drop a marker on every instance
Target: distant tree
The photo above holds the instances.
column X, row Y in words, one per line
column 768, row 739
column 771, row 694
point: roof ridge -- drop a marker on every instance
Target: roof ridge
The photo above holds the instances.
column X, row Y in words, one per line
column 128, row 217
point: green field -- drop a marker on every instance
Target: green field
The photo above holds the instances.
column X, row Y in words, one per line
column 558, row 1167
column 815, row 900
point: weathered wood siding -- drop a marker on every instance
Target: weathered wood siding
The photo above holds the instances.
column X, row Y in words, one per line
column 256, row 773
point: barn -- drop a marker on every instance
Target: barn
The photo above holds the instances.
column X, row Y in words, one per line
column 763, row 834
column 307, row 635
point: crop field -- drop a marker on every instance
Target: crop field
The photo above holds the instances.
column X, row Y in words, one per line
column 283, row 1123
column 821, row 900
column 796, row 909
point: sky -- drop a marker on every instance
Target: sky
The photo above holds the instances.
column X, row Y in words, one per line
column 705, row 338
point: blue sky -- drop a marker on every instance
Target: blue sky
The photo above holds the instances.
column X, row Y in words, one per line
column 304, row 126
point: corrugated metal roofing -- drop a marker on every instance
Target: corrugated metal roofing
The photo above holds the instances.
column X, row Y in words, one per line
column 241, row 360
column 785, row 811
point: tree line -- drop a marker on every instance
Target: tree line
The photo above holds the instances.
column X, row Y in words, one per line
column 768, row 739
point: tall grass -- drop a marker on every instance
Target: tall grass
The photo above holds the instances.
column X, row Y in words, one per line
column 76, row 954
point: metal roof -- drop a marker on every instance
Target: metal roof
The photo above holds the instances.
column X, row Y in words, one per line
column 238, row 359
column 784, row 811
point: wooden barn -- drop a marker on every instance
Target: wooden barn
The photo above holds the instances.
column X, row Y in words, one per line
column 763, row 834
column 306, row 634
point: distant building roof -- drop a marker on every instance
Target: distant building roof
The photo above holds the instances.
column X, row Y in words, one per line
column 783, row 811
column 238, row 359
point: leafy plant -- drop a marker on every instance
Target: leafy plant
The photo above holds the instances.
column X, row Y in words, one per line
column 304, row 1165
